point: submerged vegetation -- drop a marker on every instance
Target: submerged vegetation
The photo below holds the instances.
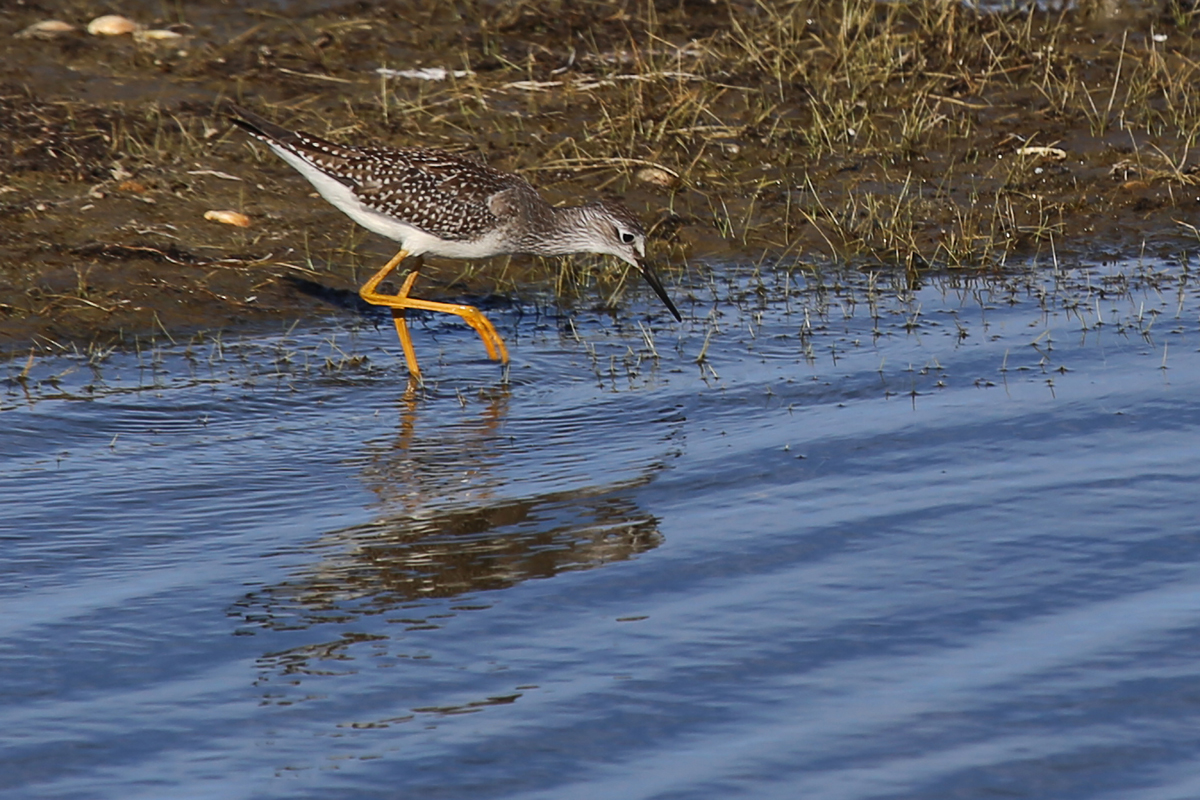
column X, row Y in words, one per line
column 801, row 135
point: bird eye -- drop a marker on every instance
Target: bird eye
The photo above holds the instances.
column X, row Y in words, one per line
column 627, row 237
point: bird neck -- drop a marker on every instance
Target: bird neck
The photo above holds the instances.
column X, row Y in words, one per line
column 558, row 231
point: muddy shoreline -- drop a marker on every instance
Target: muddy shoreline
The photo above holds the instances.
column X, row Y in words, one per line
column 915, row 139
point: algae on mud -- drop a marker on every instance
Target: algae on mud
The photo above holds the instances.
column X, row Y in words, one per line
column 898, row 136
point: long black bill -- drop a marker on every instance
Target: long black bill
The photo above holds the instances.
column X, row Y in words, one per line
column 655, row 284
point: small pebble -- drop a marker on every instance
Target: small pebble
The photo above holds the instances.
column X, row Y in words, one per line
column 46, row 29
column 228, row 218
column 112, row 25
column 156, row 35
column 656, row 176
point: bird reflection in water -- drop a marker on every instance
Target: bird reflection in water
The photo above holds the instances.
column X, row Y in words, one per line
column 449, row 525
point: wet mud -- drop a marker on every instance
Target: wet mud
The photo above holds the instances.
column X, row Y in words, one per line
column 928, row 137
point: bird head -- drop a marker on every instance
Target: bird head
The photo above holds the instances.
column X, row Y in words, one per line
column 622, row 235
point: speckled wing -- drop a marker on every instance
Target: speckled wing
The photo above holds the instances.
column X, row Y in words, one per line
column 438, row 192
column 441, row 193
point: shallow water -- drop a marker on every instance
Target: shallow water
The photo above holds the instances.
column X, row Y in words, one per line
column 879, row 543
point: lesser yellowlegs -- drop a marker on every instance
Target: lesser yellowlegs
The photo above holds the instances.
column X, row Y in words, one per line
column 441, row 204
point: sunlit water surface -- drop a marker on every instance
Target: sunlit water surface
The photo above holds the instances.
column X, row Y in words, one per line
column 877, row 543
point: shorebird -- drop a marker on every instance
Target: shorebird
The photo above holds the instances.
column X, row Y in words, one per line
column 441, row 204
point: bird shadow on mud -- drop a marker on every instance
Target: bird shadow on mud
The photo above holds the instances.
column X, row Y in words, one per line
column 349, row 300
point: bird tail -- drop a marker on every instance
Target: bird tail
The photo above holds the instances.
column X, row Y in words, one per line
column 259, row 126
column 304, row 144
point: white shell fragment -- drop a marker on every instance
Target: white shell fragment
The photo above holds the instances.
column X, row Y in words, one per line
column 112, row 25
column 228, row 218
column 1051, row 153
column 46, row 29
column 423, row 74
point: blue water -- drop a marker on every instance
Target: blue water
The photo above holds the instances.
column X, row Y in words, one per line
column 880, row 542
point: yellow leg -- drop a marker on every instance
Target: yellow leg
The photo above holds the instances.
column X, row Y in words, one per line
column 400, row 301
column 406, row 344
